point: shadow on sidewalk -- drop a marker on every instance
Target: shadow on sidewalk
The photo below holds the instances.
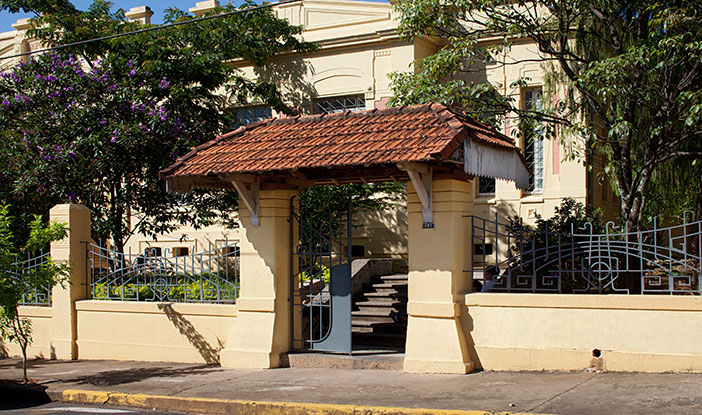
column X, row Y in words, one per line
column 123, row 376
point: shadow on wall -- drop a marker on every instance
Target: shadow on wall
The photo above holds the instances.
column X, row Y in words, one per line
column 186, row 328
column 290, row 78
column 383, row 233
column 3, row 350
column 466, row 322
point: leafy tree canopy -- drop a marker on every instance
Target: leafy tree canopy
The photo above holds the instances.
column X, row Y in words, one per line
column 97, row 125
column 624, row 78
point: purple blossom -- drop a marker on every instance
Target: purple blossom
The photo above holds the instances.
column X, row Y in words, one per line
column 132, row 72
column 6, row 102
column 112, row 88
column 130, row 63
column 72, row 196
column 164, row 83
column 102, row 122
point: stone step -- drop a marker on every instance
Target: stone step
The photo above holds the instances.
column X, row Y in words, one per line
column 381, row 361
column 375, row 330
column 379, row 312
column 370, row 320
column 385, row 304
column 401, row 308
column 386, row 295
column 379, row 326
column 394, row 277
column 386, row 287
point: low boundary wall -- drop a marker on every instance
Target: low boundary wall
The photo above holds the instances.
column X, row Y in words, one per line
column 559, row 332
column 169, row 332
column 42, row 334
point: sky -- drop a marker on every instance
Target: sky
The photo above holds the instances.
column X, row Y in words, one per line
column 157, row 6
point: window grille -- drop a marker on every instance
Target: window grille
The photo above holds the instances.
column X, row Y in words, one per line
column 333, row 105
column 251, row 115
column 486, row 186
column 533, row 141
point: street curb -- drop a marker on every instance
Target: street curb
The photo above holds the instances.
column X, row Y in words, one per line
column 223, row 406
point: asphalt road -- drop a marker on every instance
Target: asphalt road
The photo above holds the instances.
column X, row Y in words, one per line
column 57, row 408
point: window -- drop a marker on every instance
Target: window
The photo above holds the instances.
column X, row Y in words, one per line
column 333, row 105
column 181, row 251
column 486, row 186
column 358, row 251
column 533, row 135
column 251, row 115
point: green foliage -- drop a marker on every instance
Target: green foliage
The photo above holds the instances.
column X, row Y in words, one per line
column 319, row 202
column 624, row 80
column 96, row 126
column 182, row 289
column 319, row 271
column 12, row 287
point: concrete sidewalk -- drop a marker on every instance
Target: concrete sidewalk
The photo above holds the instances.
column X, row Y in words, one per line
column 211, row 389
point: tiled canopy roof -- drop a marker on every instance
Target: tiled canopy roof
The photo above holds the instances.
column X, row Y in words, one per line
column 395, row 135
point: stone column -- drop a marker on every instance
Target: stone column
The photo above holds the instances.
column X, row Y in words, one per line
column 436, row 341
column 71, row 250
column 262, row 329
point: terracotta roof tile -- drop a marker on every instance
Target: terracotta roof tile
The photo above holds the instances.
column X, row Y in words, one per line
column 405, row 134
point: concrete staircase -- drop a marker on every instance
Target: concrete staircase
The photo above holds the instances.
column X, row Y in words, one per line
column 379, row 316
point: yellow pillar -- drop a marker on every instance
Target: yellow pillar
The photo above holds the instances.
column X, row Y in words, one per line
column 436, row 340
column 262, row 329
column 71, row 250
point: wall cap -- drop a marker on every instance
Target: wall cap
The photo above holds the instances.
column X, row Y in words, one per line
column 586, row 301
column 139, row 307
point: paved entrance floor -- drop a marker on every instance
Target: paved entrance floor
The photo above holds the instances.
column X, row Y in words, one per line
column 541, row 392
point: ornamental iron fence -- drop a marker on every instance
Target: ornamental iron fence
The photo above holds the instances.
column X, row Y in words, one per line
column 517, row 258
column 21, row 270
column 162, row 274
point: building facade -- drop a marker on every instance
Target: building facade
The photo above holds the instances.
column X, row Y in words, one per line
column 359, row 47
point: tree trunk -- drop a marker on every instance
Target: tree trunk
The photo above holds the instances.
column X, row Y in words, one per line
column 631, row 215
column 22, row 340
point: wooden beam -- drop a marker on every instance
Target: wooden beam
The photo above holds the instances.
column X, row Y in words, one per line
column 239, row 177
column 418, row 167
column 421, row 177
column 249, row 197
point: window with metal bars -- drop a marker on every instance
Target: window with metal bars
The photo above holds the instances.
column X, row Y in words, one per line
column 249, row 115
column 533, row 135
column 333, row 105
column 486, row 186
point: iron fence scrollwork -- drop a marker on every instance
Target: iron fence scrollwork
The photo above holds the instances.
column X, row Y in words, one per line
column 661, row 260
column 164, row 275
column 21, row 270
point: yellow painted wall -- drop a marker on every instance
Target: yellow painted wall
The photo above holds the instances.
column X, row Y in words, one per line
column 168, row 332
column 41, row 347
column 559, row 332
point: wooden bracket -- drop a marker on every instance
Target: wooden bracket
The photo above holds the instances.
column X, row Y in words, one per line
column 421, row 177
column 250, row 197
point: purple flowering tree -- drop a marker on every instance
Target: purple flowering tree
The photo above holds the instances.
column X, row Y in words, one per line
column 95, row 133
column 97, row 126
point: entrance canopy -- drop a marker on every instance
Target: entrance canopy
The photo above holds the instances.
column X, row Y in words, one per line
column 348, row 147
